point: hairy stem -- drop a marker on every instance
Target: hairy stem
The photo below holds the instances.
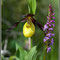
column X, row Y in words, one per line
column 29, row 43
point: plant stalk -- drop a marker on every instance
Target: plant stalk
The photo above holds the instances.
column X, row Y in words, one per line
column 29, row 43
column 45, row 55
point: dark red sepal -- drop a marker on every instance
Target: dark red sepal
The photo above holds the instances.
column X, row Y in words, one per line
column 16, row 24
column 33, row 20
column 40, row 26
column 23, row 20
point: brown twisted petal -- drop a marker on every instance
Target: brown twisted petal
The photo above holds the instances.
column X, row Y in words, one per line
column 16, row 24
column 23, row 20
column 33, row 20
column 40, row 26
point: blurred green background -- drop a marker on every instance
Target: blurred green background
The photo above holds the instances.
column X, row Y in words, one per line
column 12, row 11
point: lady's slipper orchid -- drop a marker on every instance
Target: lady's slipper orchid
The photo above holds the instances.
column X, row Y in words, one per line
column 29, row 26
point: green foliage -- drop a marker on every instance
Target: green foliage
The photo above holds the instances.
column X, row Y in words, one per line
column 12, row 10
column 26, row 55
column 13, row 58
column 31, row 53
column 21, row 52
column 32, row 6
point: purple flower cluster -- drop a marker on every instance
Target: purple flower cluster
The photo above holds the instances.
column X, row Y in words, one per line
column 48, row 28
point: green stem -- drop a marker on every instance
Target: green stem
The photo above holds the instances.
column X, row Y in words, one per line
column 45, row 55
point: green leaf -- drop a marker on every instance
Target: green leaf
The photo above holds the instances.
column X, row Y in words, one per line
column 30, row 54
column 32, row 6
column 20, row 52
column 35, row 56
column 2, row 57
column 14, row 58
column 17, row 46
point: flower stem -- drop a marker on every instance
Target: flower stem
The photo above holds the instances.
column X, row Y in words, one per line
column 29, row 43
column 45, row 55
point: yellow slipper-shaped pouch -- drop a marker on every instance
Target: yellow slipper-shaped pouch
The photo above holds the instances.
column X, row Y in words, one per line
column 28, row 29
